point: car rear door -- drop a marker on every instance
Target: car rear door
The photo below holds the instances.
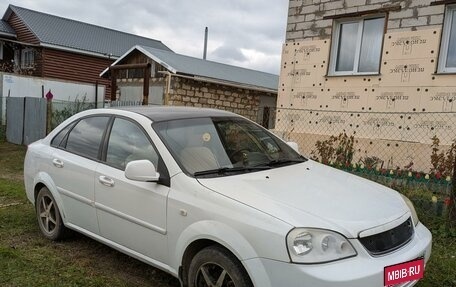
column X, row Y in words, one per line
column 74, row 160
column 131, row 213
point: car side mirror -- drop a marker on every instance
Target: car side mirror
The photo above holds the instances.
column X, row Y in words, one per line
column 294, row 146
column 141, row 170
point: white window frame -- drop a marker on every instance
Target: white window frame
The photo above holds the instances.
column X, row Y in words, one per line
column 31, row 54
column 446, row 41
column 335, row 46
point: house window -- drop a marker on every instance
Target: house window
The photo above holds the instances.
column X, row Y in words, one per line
column 357, row 46
column 1, row 50
column 27, row 58
column 135, row 73
column 447, row 62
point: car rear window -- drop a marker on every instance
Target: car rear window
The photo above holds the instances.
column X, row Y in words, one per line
column 85, row 138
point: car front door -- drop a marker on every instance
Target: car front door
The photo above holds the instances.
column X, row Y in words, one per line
column 73, row 163
column 131, row 213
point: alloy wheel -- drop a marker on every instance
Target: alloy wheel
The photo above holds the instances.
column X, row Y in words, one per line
column 213, row 275
column 48, row 214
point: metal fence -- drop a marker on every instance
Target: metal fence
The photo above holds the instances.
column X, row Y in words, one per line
column 62, row 110
column 411, row 152
column 124, row 103
column 25, row 119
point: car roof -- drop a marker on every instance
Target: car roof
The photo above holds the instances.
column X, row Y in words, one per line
column 166, row 113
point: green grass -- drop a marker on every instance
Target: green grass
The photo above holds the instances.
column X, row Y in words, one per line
column 27, row 259
column 441, row 269
column 11, row 160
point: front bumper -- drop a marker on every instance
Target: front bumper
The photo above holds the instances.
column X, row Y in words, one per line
column 360, row 271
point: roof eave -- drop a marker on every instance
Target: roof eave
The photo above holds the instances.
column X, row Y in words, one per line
column 145, row 52
column 156, row 59
column 6, row 34
column 77, row 51
column 228, row 83
column 117, row 61
column 20, row 42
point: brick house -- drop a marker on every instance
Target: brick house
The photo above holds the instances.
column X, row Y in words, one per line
column 43, row 45
column 176, row 79
column 372, row 68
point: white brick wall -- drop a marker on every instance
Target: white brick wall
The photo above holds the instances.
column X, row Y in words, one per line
column 332, row 5
column 405, row 13
column 310, row 9
column 369, row 7
column 420, row 3
column 352, row 3
column 436, row 19
column 308, row 15
column 414, row 22
column 393, row 24
column 431, row 10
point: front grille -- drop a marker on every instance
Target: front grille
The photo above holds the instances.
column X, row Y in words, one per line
column 390, row 240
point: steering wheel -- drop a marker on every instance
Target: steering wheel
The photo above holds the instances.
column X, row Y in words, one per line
column 239, row 155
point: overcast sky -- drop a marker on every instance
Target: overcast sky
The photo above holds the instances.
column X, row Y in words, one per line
column 246, row 33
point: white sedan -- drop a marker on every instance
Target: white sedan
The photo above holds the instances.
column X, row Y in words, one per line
column 216, row 200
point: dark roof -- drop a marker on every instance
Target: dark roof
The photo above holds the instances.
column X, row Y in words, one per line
column 66, row 33
column 165, row 113
column 181, row 64
column 6, row 30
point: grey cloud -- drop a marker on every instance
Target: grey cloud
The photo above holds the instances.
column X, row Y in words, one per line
column 229, row 54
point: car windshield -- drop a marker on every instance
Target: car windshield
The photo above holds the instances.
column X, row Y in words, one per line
column 210, row 147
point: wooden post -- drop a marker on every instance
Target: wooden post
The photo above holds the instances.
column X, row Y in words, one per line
column 147, row 69
column 49, row 97
column 96, row 94
column 48, row 116
column 168, row 87
column 113, row 84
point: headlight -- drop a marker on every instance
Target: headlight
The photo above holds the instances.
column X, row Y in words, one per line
column 412, row 209
column 308, row 245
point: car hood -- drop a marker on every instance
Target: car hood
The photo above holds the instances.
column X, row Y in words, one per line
column 314, row 195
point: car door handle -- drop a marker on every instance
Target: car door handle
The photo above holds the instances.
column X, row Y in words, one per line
column 57, row 163
column 104, row 180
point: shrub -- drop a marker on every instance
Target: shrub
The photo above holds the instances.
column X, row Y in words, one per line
column 442, row 162
column 69, row 109
column 337, row 150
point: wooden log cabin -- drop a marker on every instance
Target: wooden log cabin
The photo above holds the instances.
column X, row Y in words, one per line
column 43, row 45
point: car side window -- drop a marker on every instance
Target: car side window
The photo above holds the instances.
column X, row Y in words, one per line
column 86, row 136
column 128, row 142
column 57, row 140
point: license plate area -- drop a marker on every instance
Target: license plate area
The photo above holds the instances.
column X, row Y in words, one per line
column 404, row 272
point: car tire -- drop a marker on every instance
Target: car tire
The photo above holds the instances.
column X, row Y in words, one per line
column 215, row 266
column 48, row 214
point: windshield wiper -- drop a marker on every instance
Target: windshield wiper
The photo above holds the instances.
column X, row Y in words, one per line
column 225, row 170
column 284, row 161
